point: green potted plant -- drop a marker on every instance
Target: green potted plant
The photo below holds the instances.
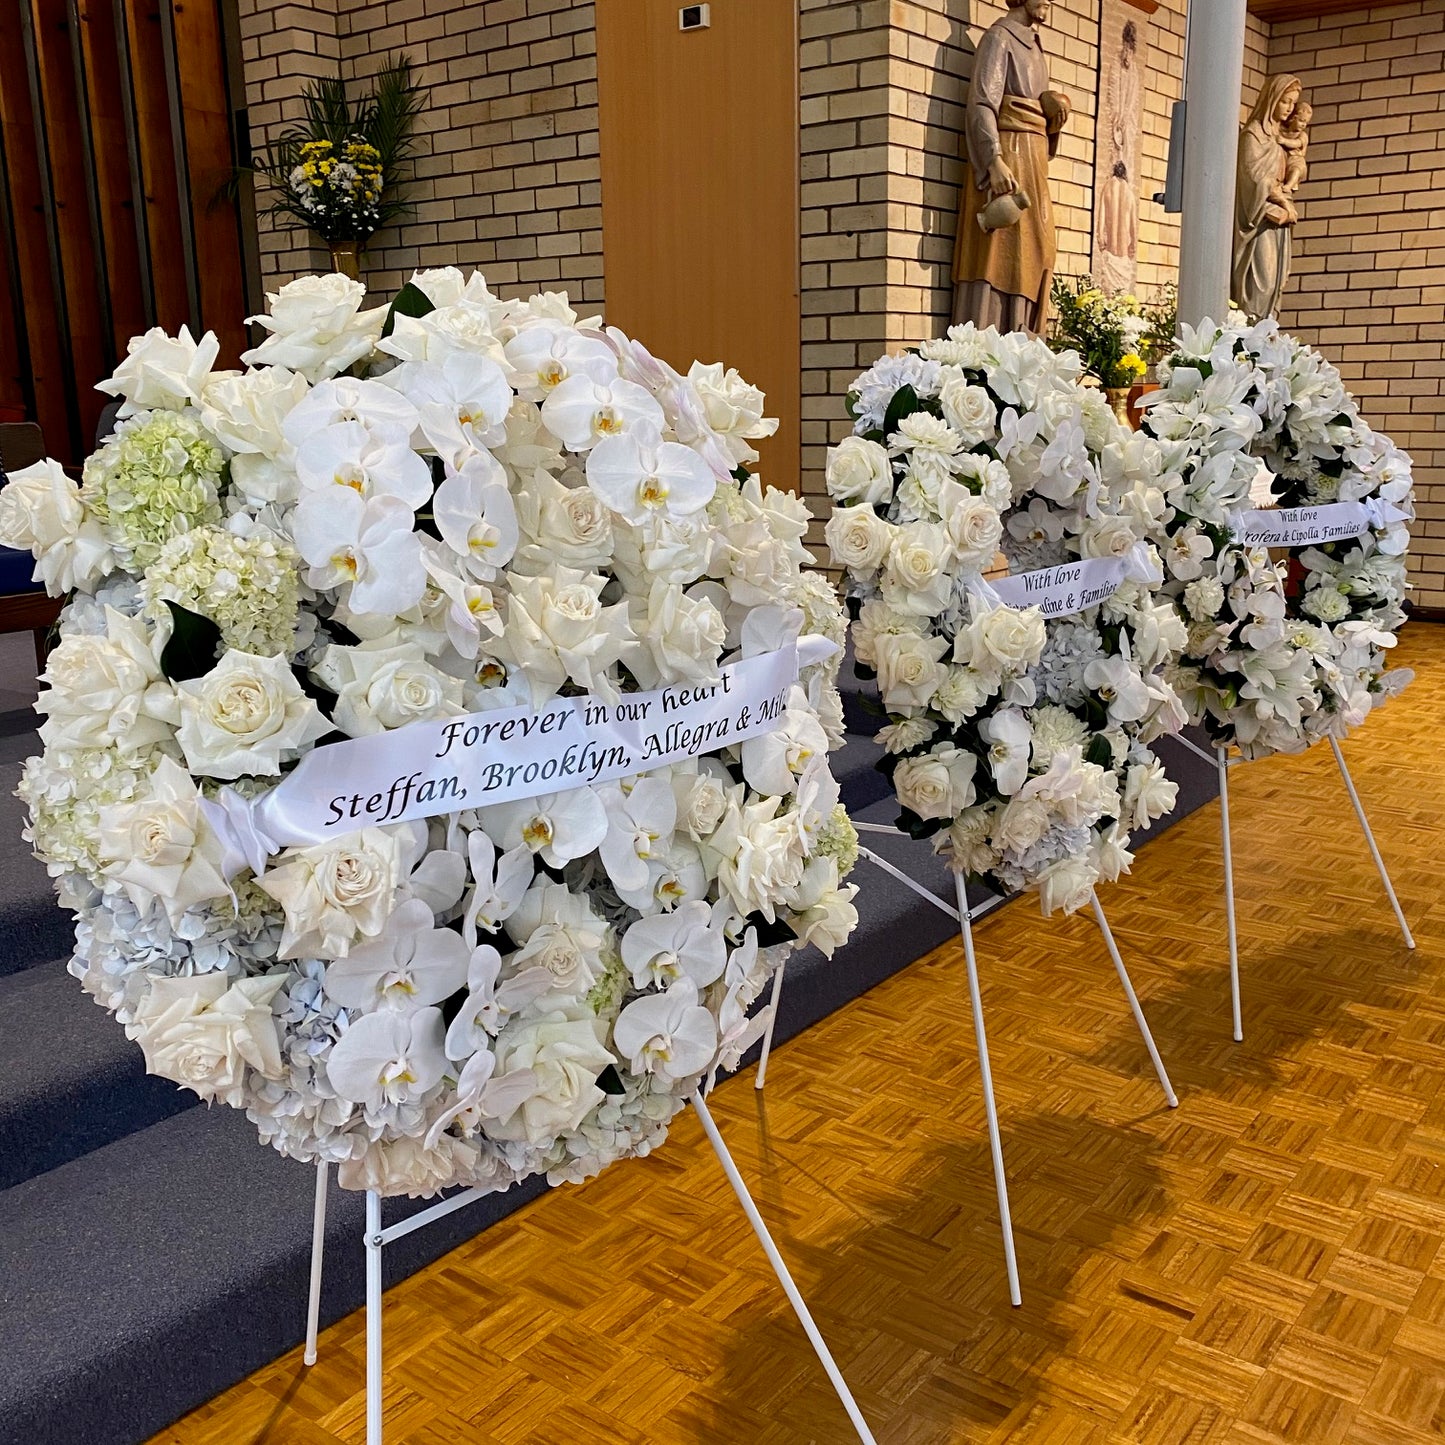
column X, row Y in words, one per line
column 1106, row 331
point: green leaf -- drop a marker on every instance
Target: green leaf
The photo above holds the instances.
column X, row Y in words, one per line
column 770, row 934
column 610, row 1081
column 194, row 644
column 1099, row 752
column 904, row 403
column 411, row 300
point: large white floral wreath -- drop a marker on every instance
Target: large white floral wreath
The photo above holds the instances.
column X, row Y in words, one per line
column 1287, row 647
column 1018, row 743
column 451, row 505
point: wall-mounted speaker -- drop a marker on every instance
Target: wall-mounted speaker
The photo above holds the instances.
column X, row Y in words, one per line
column 694, row 17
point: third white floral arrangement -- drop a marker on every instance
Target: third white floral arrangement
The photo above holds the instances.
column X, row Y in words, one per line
column 414, row 517
column 1017, row 741
column 1285, row 545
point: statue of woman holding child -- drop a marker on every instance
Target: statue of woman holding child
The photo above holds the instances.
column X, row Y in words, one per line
column 1271, row 167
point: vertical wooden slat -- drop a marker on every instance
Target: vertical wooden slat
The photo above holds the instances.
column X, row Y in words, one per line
column 62, row 215
column 157, row 164
column 114, row 198
column 204, row 132
column 17, row 389
column 176, row 118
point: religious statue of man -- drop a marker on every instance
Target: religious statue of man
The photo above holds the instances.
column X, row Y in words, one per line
column 1001, row 277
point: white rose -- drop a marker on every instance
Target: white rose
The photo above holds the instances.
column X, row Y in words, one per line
column 969, row 410
column 106, row 690
column 1327, row 604
column 1021, row 824
column 245, row 412
column 41, row 512
column 162, row 372
column 702, row 801
column 857, row 537
column 917, row 555
column 245, row 717
column 1011, row 637
column 760, row 856
column 379, row 688
column 1148, row 794
column 334, row 892
column 922, row 785
column 317, row 327
column 563, row 525
column 859, row 470
column 682, row 636
column 966, row 842
column 556, row 628
column 1067, row 884
column 1107, row 537
column 908, row 668
column 204, row 1032
column 875, row 618
column 558, row 1057
column 733, row 408
column 161, row 846
column 975, row 529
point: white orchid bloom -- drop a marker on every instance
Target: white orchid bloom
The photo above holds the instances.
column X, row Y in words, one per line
column 640, row 822
column 476, row 517
column 412, row 963
column 471, row 611
column 639, row 476
column 389, row 1058
column 670, row 1033
column 370, row 461
column 490, row 1005
column 470, row 1082
column 366, row 543
column 664, row 947
column 1064, row 467
column 501, row 882
column 1186, row 553
column 547, row 353
column 462, row 403
column 1010, row 740
column 676, row 874
column 581, row 412
column 1016, row 432
column 345, row 398
column 773, row 762
column 558, row 827
column 1120, row 688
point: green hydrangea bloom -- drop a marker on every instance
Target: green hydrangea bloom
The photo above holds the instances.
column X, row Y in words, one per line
column 159, row 476
column 838, row 840
column 247, row 586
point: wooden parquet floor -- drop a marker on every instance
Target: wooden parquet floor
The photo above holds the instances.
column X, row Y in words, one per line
column 1263, row 1264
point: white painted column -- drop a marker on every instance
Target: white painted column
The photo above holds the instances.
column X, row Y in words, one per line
column 1213, row 78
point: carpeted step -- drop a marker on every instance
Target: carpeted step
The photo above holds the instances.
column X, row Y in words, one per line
column 70, row 1080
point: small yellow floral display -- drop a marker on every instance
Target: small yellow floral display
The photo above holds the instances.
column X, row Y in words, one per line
column 339, row 187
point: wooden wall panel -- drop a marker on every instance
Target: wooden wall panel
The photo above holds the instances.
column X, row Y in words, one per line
column 699, row 150
column 157, row 163
column 115, row 200
column 200, row 64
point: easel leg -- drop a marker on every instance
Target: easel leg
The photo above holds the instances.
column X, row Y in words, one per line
column 373, row 1317
column 762, row 1077
column 1370, row 839
column 750, row 1209
column 1133, row 998
column 1222, row 756
column 995, row 1145
column 318, row 1249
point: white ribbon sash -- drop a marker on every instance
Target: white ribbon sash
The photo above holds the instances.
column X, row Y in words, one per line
column 427, row 769
column 1306, row 526
column 1072, row 587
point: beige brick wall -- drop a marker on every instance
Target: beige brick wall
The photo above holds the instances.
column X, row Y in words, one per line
column 1368, row 273
column 507, row 178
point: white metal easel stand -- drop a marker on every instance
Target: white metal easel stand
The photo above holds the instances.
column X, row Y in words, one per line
column 377, row 1238
column 1223, row 763
column 964, row 917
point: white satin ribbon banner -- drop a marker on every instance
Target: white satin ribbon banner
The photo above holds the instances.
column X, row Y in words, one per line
column 428, row 769
column 1072, row 587
column 1309, row 526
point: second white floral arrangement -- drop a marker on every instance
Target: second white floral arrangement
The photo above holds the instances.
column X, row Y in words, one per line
column 400, row 515
column 1287, row 645
column 1019, row 744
